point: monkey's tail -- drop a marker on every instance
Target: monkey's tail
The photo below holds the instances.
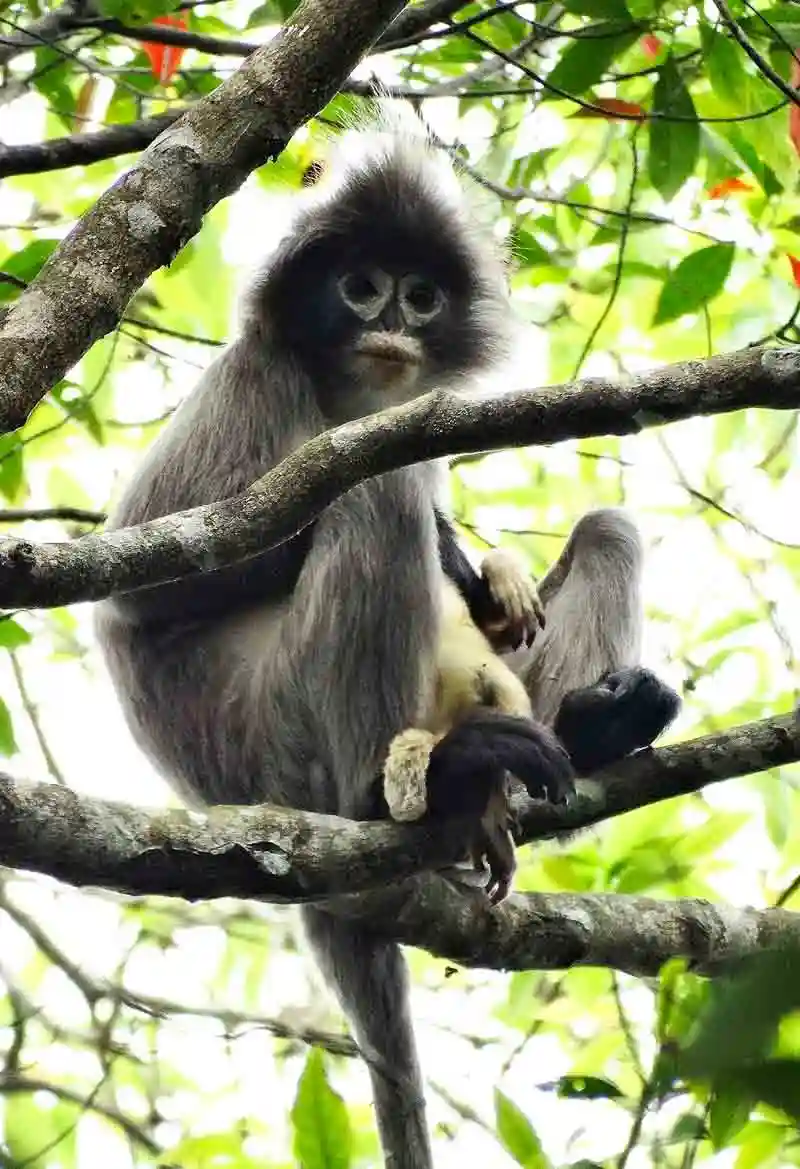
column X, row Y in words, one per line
column 371, row 980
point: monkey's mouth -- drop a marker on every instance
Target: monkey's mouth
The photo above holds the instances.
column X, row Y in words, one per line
column 393, row 348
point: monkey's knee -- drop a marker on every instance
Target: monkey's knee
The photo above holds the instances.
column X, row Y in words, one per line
column 605, row 529
column 405, row 774
column 605, row 546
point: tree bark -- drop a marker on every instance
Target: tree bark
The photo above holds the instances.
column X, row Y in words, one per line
column 152, row 210
column 291, row 495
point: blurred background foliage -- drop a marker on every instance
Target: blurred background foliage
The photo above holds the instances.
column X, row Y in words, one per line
column 643, row 168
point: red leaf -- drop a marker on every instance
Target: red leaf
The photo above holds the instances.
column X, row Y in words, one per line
column 165, row 59
column 651, row 45
column 611, row 108
column 795, row 263
column 794, row 109
column 726, row 186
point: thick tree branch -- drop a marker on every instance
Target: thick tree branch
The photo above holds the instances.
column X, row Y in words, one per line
column 274, row 854
column 536, row 931
column 282, row 855
column 144, row 219
column 293, row 493
column 663, row 774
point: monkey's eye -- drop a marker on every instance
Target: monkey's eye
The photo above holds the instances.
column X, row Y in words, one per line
column 365, row 291
column 359, row 286
column 422, row 299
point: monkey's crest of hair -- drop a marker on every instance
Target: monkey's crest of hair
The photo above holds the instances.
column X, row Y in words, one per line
column 386, row 187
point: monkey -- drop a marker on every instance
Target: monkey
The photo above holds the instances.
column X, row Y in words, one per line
column 285, row 677
column 472, row 673
column 472, row 677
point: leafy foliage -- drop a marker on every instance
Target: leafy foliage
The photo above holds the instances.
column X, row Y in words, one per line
column 643, row 170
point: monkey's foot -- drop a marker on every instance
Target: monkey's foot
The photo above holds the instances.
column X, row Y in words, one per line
column 405, row 782
column 494, row 845
column 469, row 763
column 513, row 591
column 624, row 711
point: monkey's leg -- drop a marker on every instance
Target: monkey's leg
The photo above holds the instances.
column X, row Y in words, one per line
column 582, row 673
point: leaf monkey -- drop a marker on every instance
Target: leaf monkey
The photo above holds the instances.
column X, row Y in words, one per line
column 472, row 679
column 590, row 608
column 284, row 678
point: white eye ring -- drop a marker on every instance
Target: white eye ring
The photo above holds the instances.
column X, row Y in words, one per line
column 421, row 299
column 365, row 291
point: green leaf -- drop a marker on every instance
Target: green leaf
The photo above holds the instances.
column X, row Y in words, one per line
column 775, row 1082
column 322, row 1136
column 12, row 466
column 587, row 1088
column 728, row 1113
column 687, row 1128
column 599, row 9
column 526, row 249
column 25, row 265
column 697, row 279
column 759, row 1144
column 586, row 60
column 517, row 1134
column 263, row 14
column 12, row 634
column 743, row 1013
column 674, row 146
column 8, row 744
column 724, row 63
column 37, row 1132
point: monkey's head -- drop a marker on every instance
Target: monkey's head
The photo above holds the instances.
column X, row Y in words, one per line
column 384, row 288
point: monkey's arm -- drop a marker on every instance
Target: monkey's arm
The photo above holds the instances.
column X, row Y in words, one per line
column 268, row 576
column 457, row 567
column 502, row 599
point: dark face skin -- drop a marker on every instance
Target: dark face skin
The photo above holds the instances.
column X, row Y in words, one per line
column 376, row 322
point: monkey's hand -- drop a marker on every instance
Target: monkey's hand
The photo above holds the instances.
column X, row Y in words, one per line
column 624, row 711
column 515, row 612
column 465, row 765
column 468, row 776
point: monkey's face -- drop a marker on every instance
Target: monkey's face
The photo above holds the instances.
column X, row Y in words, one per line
column 392, row 318
column 382, row 292
column 383, row 330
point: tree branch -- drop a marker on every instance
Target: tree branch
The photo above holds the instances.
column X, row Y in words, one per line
column 275, row 854
column 653, row 775
column 33, row 158
column 411, row 23
column 289, row 497
column 280, row 855
column 152, row 210
column 556, row 931
column 44, row 31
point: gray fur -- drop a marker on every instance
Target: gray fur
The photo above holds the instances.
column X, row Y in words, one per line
column 294, row 699
column 244, row 689
column 593, row 609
